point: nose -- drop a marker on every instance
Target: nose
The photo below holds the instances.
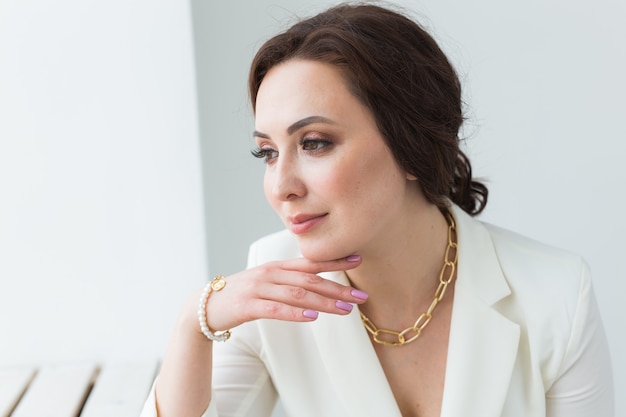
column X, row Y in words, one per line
column 283, row 181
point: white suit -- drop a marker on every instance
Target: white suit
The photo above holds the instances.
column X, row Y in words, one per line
column 526, row 340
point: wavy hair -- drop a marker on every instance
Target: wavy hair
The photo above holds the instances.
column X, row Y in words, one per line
column 397, row 70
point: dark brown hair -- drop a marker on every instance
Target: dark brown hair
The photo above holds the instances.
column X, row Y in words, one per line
column 399, row 72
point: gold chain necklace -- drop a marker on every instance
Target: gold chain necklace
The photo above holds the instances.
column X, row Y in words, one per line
column 445, row 277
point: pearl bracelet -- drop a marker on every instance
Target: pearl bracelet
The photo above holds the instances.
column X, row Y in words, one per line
column 217, row 284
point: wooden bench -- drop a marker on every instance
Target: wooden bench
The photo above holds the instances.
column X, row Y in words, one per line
column 76, row 390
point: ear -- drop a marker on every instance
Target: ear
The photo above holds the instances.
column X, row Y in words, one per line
column 411, row 177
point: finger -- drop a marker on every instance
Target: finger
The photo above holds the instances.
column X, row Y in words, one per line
column 309, row 279
column 278, row 311
column 306, row 299
column 295, row 285
column 315, row 267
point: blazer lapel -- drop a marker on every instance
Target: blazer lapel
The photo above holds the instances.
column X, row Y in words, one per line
column 483, row 344
column 352, row 363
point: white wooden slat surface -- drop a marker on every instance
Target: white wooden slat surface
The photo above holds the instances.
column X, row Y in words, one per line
column 120, row 390
column 13, row 383
column 57, row 391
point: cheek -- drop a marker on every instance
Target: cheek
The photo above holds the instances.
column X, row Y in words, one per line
column 332, row 181
column 378, row 180
column 267, row 189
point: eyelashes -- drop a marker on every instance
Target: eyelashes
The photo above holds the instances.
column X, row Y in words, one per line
column 264, row 153
column 309, row 146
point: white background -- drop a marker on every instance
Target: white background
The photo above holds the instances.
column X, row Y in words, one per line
column 101, row 227
column 104, row 225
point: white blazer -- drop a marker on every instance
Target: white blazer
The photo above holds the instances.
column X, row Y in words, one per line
column 526, row 340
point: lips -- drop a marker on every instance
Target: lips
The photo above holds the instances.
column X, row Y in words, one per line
column 302, row 223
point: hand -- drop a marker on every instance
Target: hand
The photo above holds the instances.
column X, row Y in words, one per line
column 282, row 290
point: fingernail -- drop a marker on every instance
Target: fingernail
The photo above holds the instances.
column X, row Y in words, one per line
column 353, row 258
column 361, row 295
column 310, row 314
column 344, row 306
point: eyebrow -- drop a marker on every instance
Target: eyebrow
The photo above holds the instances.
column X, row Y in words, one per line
column 298, row 125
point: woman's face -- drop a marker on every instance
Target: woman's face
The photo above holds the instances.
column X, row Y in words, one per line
column 329, row 176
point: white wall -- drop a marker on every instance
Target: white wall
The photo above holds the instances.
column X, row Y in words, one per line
column 101, row 227
column 544, row 82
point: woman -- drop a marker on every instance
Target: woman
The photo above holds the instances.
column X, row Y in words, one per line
column 357, row 114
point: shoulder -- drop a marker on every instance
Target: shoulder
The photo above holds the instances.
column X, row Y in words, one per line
column 521, row 251
column 273, row 247
column 533, row 265
column 545, row 281
column 493, row 257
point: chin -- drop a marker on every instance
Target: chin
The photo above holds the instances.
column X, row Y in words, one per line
column 321, row 251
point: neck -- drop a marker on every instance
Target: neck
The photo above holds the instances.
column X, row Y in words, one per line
column 401, row 273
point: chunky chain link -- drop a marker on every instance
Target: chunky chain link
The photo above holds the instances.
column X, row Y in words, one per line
column 395, row 338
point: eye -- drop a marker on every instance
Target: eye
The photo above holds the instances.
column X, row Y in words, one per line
column 265, row 153
column 314, row 145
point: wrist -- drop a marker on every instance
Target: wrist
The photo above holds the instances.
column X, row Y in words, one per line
column 217, row 284
column 187, row 324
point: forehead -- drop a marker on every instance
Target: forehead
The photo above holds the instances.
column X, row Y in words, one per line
column 301, row 88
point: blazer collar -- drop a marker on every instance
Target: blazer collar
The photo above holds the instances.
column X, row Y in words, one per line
column 482, row 346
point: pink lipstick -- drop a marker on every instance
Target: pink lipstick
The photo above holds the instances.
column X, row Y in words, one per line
column 302, row 223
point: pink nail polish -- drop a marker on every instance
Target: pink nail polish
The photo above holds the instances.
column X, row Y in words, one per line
column 361, row 295
column 310, row 314
column 342, row 305
column 353, row 258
